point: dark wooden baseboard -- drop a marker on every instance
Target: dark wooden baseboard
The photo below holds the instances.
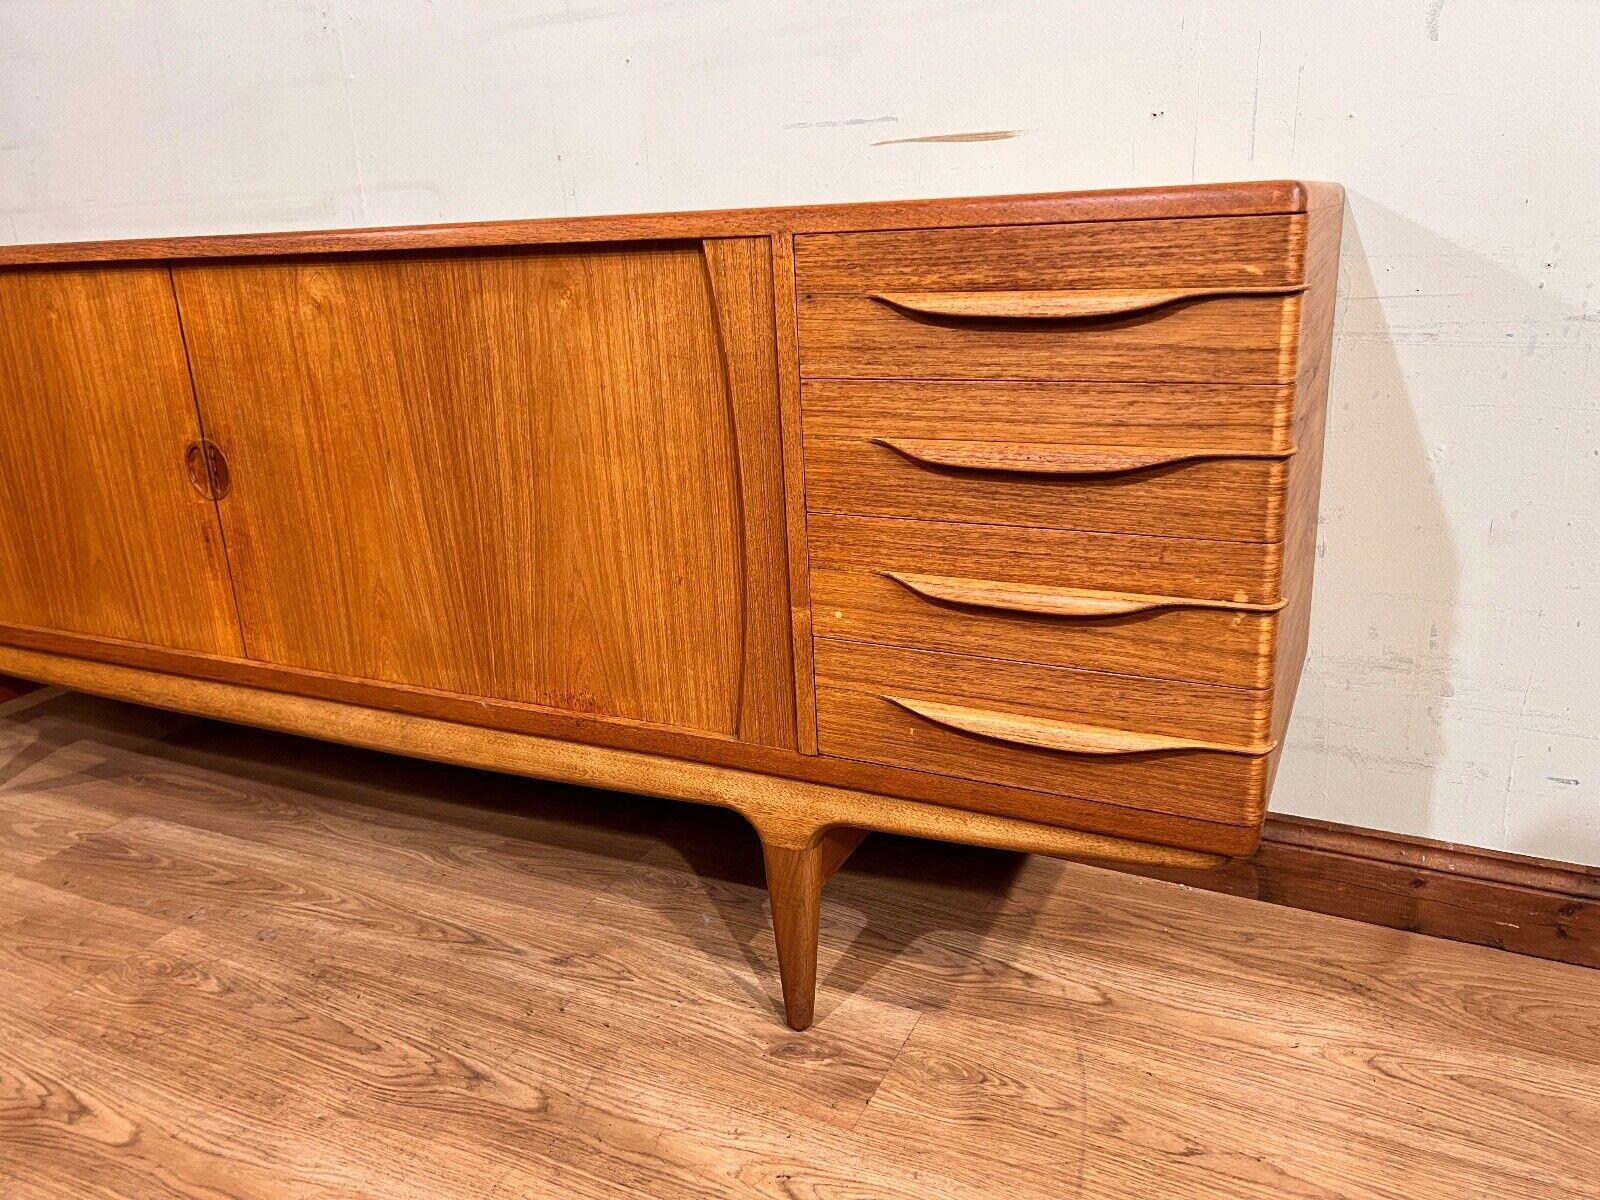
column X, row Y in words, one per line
column 1487, row 897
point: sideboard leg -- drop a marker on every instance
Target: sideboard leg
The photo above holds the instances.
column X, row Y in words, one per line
column 795, row 876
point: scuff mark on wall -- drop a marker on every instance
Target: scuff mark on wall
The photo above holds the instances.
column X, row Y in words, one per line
column 844, row 124
column 986, row 135
column 1434, row 10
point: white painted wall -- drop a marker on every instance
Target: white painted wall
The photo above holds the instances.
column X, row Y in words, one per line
column 1453, row 685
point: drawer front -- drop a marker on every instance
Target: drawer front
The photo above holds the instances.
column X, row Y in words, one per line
column 1217, row 417
column 1216, row 718
column 1210, row 787
column 1227, row 647
column 1122, row 489
column 1237, row 572
column 1099, row 254
column 1222, row 338
column 940, row 714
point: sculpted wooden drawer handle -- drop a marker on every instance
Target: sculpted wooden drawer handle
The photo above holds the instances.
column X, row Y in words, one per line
column 1055, row 601
column 1062, row 306
column 1050, row 458
column 1059, row 735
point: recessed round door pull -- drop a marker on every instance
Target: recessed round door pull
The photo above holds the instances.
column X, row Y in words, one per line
column 208, row 469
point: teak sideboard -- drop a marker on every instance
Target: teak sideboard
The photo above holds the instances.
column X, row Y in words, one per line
column 989, row 520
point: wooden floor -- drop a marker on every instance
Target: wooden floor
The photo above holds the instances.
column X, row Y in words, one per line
column 234, row 964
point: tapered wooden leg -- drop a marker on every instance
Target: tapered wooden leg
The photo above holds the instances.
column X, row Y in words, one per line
column 795, row 876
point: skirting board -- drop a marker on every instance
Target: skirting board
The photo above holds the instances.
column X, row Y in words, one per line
column 1486, row 897
column 1462, row 893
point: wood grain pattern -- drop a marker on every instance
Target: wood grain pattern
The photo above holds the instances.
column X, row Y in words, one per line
column 1463, row 893
column 1070, row 305
column 1124, row 204
column 1227, row 788
column 1008, row 483
column 1169, row 707
column 1105, row 255
column 1232, row 339
column 791, row 423
column 577, row 405
column 1050, row 458
column 1006, row 620
column 1243, row 571
column 1050, row 734
column 784, row 811
column 795, row 876
column 740, row 270
column 622, row 1043
column 1055, row 602
column 1220, row 417
column 1315, row 336
column 47, row 656
column 101, row 533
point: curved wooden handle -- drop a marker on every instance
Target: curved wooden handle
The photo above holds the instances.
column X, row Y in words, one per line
column 1052, row 458
column 1055, row 601
column 1059, row 735
column 1062, row 306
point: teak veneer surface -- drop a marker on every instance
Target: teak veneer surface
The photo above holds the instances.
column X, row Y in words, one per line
column 1232, row 252
column 988, row 518
column 1215, row 417
column 1120, row 701
column 1125, row 204
column 1232, row 499
column 1230, row 339
column 1210, row 645
column 1246, row 571
column 433, row 449
column 100, row 530
column 867, row 725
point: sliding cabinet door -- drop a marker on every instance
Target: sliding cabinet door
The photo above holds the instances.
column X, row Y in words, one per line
column 542, row 476
column 101, row 531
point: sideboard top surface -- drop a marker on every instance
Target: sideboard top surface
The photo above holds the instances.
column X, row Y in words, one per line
column 1131, row 204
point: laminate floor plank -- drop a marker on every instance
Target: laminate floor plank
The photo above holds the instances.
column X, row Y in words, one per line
column 690, row 961
column 53, row 941
column 236, row 964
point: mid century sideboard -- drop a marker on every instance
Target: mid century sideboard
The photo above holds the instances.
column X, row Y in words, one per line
column 989, row 520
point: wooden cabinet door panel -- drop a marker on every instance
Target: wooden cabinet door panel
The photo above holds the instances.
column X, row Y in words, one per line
column 548, row 477
column 100, row 530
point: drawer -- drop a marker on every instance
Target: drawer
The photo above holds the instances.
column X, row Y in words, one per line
column 1168, row 492
column 1195, row 252
column 1150, row 744
column 1219, row 417
column 1238, row 572
column 1098, row 631
column 1216, row 717
column 1243, row 338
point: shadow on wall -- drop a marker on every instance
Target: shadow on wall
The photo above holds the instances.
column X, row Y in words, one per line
column 1430, row 659
column 1366, row 741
